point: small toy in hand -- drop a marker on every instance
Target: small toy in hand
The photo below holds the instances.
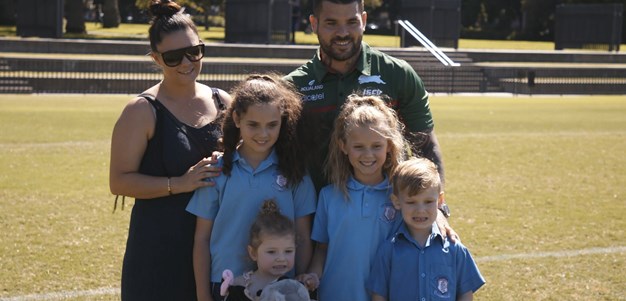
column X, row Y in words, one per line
column 285, row 290
column 228, row 277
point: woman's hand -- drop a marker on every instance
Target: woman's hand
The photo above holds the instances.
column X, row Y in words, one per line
column 198, row 175
column 445, row 229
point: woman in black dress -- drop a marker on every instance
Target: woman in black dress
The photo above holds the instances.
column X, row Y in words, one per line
column 160, row 152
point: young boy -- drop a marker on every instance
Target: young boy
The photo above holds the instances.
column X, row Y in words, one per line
column 417, row 263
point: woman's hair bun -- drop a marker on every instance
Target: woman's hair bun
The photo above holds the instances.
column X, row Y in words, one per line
column 165, row 8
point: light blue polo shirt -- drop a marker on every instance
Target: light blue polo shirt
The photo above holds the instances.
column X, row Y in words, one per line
column 234, row 202
column 442, row 270
column 353, row 230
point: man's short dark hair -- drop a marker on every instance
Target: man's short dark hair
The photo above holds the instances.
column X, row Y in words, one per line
column 317, row 5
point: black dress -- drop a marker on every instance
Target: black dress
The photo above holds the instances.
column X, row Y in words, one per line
column 158, row 262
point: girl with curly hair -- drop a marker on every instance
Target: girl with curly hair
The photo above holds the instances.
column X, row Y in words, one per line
column 261, row 161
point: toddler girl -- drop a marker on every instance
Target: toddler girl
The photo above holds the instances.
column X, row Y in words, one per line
column 272, row 247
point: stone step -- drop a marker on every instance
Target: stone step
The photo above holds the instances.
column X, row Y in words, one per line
column 225, row 64
column 305, row 52
column 74, row 83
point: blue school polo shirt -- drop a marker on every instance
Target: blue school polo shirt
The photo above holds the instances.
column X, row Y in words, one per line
column 353, row 230
column 442, row 270
column 234, row 202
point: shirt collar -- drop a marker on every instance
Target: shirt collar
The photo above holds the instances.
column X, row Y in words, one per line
column 403, row 231
column 353, row 184
column 363, row 63
column 272, row 159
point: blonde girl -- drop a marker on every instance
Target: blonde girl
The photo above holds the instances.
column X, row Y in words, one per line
column 354, row 213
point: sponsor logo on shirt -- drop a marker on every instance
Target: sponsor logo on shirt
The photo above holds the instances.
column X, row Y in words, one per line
column 313, row 97
column 364, row 79
column 372, row 92
column 311, row 87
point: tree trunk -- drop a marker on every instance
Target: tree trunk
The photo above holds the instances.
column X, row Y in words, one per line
column 111, row 14
column 74, row 16
column 206, row 19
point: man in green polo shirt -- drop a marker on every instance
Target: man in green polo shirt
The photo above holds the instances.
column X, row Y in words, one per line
column 344, row 65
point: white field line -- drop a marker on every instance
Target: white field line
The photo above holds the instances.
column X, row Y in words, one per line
column 53, row 144
column 103, row 291
column 546, row 134
column 571, row 253
column 116, row 291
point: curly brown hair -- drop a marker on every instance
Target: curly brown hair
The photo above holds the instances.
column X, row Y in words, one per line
column 267, row 89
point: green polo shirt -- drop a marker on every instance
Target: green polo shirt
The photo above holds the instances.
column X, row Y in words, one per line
column 376, row 74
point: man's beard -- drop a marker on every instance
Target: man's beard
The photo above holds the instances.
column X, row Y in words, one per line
column 328, row 50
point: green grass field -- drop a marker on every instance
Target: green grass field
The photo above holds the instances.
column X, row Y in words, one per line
column 537, row 186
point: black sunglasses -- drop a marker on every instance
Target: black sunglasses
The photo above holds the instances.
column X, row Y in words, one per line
column 173, row 58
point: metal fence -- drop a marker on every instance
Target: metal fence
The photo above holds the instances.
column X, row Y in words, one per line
column 572, row 80
column 32, row 75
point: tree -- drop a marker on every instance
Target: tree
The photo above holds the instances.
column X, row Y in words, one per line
column 373, row 4
column 201, row 6
column 205, row 5
column 470, row 11
column 538, row 19
column 74, row 16
column 145, row 4
column 498, row 19
column 110, row 14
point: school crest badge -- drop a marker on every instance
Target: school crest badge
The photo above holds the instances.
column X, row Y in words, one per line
column 389, row 213
column 280, row 183
column 442, row 285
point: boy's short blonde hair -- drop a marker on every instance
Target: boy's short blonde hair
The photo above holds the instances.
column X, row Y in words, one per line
column 415, row 175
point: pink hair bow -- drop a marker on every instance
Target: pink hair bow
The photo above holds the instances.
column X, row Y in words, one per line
column 228, row 277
